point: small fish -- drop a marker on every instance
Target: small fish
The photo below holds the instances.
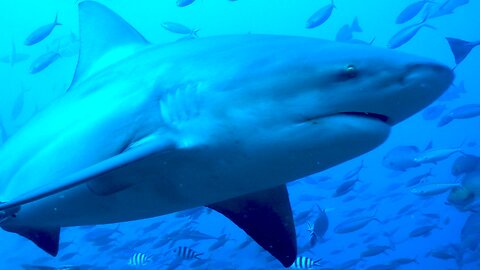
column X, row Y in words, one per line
column 139, row 259
column 184, row 3
column 3, row 133
column 345, row 187
column 422, row 231
column 462, row 112
column 18, row 104
column 67, row 45
column 41, row 33
column 411, row 11
column 313, row 237
column 67, row 256
column 400, row 158
column 403, row 261
column 381, row 266
column 435, row 155
column 374, row 251
column 354, row 224
column 442, row 254
column 245, row 243
column 433, row 189
column 179, row 29
column 152, row 227
column 433, row 112
column 405, row 209
column 461, row 48
column 418, row 179
column 431, row 215
column 345, row 33
column 465, row 164
column 305, row 263
column 454, row 92
column 320, row 16
column 406, row 34
column 354, row 172
column 186, row 253
column 350, row 264
column 448, row 7
column 14, row 57
column 302, row 217
column 64, row 267
column 43, row 61
column 101, row 233
column 221, row 241
column 316, row 178
column 320, row 225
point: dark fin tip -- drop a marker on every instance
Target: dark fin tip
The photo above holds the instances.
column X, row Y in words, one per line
column 47, row 239
column 267, row 217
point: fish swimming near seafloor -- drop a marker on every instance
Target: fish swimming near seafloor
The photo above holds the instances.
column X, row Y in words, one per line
column 154, row 129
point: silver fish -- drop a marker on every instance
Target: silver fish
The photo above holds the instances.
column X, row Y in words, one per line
column 320, row 16
column 43, row 61
column 406, row 34
column 41, row 33
column 462, row 112
column 179, row 29
column 433, row 189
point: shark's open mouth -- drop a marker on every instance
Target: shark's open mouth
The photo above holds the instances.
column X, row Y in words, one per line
column 377, row 116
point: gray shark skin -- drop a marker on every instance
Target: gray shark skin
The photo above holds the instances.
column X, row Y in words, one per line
column 147, row 130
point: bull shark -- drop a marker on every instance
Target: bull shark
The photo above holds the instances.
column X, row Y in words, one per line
column 223, row 122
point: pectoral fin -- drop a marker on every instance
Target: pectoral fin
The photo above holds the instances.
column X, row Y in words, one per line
column 45, row 238
column 267, row 217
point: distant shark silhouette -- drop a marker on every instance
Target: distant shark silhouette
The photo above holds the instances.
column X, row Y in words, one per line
column 224, row 122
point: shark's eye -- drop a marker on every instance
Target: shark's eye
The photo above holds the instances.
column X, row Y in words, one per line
column 350, row 71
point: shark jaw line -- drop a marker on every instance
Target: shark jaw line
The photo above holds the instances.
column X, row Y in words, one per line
column 379, row 117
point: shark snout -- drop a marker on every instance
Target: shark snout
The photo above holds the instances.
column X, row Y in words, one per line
column 420, row 84
column 429, row 76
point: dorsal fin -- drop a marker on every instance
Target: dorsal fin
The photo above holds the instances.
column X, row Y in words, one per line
column 104, row 39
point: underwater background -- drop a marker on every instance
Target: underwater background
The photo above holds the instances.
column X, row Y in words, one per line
column 406, row 230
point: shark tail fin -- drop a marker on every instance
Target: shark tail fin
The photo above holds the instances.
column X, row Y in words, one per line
column 45, row 238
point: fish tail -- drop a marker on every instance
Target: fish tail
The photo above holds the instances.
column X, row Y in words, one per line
column 444, row 121
column 430, row 26
column 390, row 240
column 356, row 28
column 56, row 20
column 378, row 220
column 194, row 33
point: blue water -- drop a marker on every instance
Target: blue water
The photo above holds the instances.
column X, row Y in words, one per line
column 380, row 192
